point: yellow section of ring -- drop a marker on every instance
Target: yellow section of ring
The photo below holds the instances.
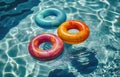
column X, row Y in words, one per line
column 71, row 38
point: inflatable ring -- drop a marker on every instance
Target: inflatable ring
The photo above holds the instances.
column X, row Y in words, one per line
column 46, row 55
column 60, row 17
column 71, row 38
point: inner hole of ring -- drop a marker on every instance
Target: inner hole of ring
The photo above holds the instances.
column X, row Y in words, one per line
column 45, row 46
column 50, row 16
column 73, row 31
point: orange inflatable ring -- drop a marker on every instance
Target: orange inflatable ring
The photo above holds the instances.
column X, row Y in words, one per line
column 71, row 38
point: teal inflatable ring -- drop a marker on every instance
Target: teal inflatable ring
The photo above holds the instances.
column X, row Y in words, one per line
column 60, row 17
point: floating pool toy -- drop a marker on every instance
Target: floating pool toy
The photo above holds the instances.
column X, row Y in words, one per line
column 71, row 38
column 59, row 15
column 46, row 55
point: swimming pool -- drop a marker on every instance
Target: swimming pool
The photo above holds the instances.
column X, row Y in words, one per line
column 98, row 56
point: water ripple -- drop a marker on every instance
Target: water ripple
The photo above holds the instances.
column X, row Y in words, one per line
column 13, row 10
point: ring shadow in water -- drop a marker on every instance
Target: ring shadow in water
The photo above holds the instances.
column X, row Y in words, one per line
column 83, row 60
column 11, row 13
column 60, row 73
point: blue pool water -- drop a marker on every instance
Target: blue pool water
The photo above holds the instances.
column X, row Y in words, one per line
column 98, row 56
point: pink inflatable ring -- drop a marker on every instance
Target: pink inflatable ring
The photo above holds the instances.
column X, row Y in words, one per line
column 46, row 55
